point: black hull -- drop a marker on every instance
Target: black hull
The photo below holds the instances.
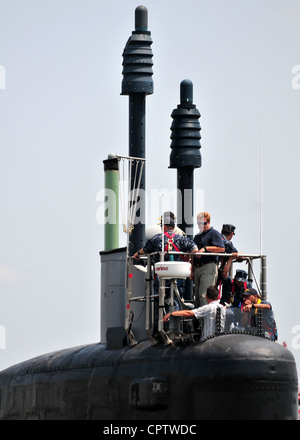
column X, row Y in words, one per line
column 230, row 377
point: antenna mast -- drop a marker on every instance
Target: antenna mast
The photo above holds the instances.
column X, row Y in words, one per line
column 261, row 184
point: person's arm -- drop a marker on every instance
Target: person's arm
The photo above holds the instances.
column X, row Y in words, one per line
column 226, row 268
column 193, row 251
column 184, row 313
column 214, row 249
column 216, row 241
column 248, row 307
column 138, row 253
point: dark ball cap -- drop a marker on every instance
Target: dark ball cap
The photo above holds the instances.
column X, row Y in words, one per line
column 228, row 228
column 250, row 291
column 241, row 275
column 169, row 218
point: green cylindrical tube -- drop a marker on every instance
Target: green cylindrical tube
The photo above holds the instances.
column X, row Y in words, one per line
column 111, row 230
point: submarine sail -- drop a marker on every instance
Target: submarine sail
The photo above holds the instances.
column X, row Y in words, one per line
column 146, row 369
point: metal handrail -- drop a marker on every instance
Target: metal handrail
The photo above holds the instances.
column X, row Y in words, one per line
column 197, row 254
column 148, row 297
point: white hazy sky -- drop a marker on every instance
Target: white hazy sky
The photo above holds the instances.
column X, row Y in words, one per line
column 61, row 113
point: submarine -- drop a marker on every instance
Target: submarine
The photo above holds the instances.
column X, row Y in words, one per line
column 142, row 369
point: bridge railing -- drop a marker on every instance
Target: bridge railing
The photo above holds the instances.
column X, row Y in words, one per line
column 162, row 294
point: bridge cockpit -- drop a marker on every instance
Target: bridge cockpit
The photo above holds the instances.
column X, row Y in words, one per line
column 166, row 283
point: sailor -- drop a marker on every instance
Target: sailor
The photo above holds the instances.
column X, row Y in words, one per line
column 252, row 302
column 233, row 289
column 227, row 235
column 205, row 269
column 206, row 314
column 172, row 241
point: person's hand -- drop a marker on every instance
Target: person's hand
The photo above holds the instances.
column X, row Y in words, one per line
column 237, row 257
column 166, row 317
column 198, row 253
column 247, row 306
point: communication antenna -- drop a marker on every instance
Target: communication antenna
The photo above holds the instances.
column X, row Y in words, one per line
column 162, row 222
column 130, row 195
column 261, row 183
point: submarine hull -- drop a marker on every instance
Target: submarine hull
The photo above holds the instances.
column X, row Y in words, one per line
column 229, row 377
